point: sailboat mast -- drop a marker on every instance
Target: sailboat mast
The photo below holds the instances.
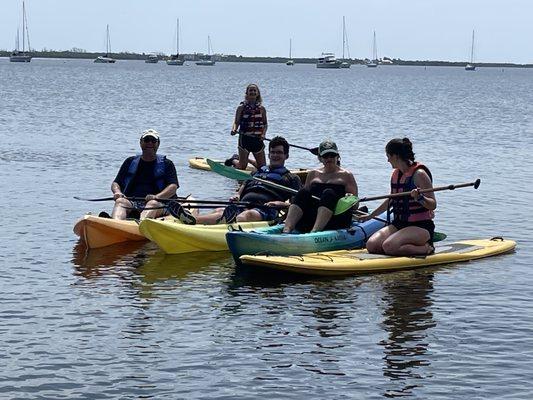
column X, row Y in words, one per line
column 23, row 27
column 290, row 49
column 17, row 41
column 374, row 49
column 108, row 42
column 177, row 36
column 343, row 36
column 472, row 50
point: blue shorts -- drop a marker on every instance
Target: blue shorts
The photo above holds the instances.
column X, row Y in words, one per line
column 266, row 213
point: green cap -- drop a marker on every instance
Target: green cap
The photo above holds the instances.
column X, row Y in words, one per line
column 327, row 146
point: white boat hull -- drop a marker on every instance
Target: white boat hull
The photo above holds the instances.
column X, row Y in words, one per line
column 105, row 60
column 175, row 62
column 20, row 58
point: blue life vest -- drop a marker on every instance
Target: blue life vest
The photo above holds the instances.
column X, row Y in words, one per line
column 159, row 172
column 280, row 175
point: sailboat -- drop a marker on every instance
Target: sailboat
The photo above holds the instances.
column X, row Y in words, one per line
column 374, row 62
column 470, row 66
column 106, row 59
column 344, row 63
column 290, row 61
column 175, row 59
column 17, row 55
column 207, row 62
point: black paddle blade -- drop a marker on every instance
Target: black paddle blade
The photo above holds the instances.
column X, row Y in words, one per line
column 314, row 150
column 477, row 183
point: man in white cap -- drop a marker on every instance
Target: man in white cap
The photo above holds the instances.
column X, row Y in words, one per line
column 143, row 179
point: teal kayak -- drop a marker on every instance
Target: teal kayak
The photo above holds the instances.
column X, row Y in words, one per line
column 271, row 241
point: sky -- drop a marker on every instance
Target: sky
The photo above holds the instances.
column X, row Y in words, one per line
column 406, row 29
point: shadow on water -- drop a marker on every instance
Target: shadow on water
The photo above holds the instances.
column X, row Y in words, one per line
column 407, row 317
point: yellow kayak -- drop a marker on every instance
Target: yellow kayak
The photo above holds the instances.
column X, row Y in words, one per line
column 350, row 262
column 201, row 163
column 175, row 238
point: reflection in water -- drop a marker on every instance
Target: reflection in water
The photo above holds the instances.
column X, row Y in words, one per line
column 407, row 316
column 141, row 266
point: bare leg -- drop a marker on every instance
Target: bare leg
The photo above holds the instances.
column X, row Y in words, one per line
column 323, row 216
column 119, row 212
column 153, row 213
column 249, row 216
column 294, row 215
column 374, row 244
column 260, row 159
column 243, row 158
column 211, row 218
column 408, row 241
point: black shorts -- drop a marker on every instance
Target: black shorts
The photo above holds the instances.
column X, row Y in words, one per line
column 427, row 224
column 253, row 144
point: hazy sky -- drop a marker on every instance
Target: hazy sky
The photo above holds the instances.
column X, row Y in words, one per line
column 407, row 29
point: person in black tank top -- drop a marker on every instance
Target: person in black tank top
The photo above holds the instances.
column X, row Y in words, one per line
column 329, row 184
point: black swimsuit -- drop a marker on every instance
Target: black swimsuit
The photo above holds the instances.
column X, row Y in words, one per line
column 329, row 194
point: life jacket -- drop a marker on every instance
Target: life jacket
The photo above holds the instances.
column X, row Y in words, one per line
column 251, row 118
column 278, row 175
column 159, row 172
column 406, row 208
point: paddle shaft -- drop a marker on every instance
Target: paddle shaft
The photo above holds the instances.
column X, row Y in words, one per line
column 436, row 189
column 314, row 150
column 130, row 198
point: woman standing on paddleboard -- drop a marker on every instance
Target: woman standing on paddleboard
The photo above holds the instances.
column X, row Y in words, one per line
column 411, row 230
column 329, row 183
column 251, row 125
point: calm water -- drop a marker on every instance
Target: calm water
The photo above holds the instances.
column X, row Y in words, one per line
column 130, row 322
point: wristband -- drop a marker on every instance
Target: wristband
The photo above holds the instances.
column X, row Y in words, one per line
column 421, row 198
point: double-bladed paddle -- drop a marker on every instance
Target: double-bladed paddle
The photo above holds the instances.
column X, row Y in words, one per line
column 232, row 173
column 130, row 198
column 313, row 150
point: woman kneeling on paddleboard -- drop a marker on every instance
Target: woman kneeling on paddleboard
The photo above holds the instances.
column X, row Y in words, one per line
column 329, row 184
column 411, row 231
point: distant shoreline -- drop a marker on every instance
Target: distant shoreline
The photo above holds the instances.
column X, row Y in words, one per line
column 234, row 58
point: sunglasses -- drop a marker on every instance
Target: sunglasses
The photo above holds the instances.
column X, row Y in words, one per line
column 150, row 139
column 329, row 155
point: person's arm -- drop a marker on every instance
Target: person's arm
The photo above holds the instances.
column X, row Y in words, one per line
column 350, row 184
column 377, row 211
column 310, row 177
column 265, row 121
column 116, row 185
column 422, row 181
column 237, row 121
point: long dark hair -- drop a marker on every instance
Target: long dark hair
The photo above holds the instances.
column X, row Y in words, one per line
column 403, row 148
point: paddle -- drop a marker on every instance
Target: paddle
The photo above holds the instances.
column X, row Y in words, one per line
column 233, row 173
column 437, row 236
column 314, row 150
column 129, row 198
column 348, row 202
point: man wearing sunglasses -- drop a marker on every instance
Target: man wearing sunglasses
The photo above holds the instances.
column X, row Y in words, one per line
column 147, row 176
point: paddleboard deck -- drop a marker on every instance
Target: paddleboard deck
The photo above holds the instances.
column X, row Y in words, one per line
column 351, row 262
